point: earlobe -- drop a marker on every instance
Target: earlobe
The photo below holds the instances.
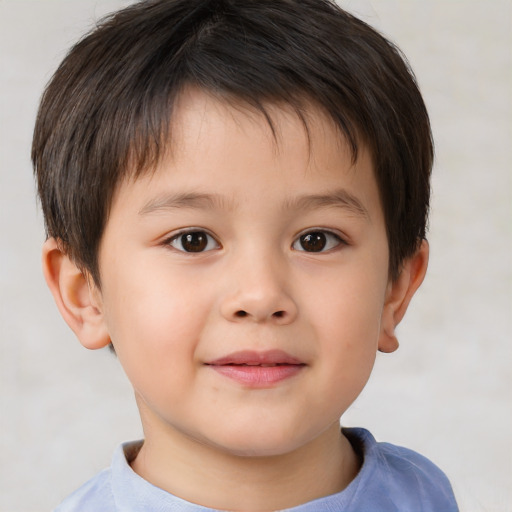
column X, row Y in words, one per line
column 399, row 295
column 77, row 298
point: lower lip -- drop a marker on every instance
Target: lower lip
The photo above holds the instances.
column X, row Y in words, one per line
column 258, row 376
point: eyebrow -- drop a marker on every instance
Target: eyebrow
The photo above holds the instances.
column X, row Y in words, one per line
column 192, row 200
column 337, row 199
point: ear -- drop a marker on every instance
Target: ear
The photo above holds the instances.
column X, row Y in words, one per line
column 399, row 294
column 76, row 296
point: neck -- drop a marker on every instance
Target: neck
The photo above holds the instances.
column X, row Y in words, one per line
column 211, row 477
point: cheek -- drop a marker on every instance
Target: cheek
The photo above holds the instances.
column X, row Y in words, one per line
column 348, row 306
column 347, row 322
column 348, row 352
column 350, row 341
column 155, row 321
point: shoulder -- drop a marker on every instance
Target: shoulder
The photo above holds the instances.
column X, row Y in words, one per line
column 402, row 477
column 96, row 494
column 112, row 489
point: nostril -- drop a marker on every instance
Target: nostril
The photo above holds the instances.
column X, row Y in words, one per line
column 243, row 314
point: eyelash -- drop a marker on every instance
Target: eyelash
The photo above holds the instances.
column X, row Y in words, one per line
column 204, row 241
column 335, row 240
column 179, row 237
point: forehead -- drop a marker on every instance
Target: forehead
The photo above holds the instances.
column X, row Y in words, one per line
column 238, row 149
column 200, row 116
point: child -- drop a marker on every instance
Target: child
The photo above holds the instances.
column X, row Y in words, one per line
column 235, row 195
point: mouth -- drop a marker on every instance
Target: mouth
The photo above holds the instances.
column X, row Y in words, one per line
column 258, row 369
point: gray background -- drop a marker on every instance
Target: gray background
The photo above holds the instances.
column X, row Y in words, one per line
column 446, row 392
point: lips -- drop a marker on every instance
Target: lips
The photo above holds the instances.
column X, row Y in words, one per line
column 258, row 369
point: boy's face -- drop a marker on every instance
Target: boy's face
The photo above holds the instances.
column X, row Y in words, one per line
column 244, row 283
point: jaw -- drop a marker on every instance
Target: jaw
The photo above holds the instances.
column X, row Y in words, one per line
column 245, row 480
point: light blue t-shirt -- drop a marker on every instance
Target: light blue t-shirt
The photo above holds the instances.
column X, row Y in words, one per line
column 391, row 479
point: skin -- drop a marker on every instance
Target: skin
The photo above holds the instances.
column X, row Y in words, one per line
column 208, row 438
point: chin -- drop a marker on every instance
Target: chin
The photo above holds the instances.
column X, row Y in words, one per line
column 259, row 442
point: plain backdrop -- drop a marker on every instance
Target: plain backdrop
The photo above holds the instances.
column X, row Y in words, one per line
column 447, row 392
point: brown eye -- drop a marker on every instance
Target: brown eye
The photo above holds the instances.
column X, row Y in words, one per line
column 194, row 241
column 317, row 241
column 313, row 242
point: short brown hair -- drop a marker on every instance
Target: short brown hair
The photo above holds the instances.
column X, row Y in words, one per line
column 107, row 110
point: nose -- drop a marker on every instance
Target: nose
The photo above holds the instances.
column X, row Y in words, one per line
column 258, row 293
